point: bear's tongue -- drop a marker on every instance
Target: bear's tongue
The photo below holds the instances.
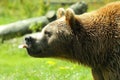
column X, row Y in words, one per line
column 23, row 46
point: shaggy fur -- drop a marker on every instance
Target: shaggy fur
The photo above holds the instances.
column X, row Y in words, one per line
column 92, row 39
column 100, row 41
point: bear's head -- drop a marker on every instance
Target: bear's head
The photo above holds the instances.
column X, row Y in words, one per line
column 56, row 38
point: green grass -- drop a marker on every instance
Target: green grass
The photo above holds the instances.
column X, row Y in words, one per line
column 16, row 64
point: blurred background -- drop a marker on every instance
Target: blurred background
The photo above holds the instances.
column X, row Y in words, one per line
column 21, row 17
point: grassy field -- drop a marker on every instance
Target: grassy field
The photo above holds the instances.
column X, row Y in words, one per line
column 15, row 64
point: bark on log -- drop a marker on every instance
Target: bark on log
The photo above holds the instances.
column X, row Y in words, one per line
column 79, row 7
column 20, row 27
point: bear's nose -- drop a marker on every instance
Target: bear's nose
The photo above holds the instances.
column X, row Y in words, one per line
column 28, row 39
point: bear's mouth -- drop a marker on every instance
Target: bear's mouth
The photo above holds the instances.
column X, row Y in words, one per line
column 30, row 45
column 32, row 51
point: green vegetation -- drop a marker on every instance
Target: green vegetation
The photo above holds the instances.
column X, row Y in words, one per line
column 12, row 10
column 36, row 27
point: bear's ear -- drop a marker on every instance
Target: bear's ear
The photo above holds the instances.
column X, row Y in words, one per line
column 60, row 13
column 71, row 20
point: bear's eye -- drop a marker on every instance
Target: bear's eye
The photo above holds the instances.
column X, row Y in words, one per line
column 47, row 33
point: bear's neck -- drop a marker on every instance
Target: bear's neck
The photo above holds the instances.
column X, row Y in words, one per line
column 91, row 50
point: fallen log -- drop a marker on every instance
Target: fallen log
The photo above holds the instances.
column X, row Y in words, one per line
column 20, row 28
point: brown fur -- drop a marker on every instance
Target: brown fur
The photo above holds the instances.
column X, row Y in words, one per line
column 98, row 36
column 100, row 41
column 92, row 39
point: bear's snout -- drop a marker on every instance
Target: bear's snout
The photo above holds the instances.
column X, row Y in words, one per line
column 29, row 41
column 32, row 48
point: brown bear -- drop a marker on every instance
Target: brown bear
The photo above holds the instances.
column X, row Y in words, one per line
column 92, row 39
